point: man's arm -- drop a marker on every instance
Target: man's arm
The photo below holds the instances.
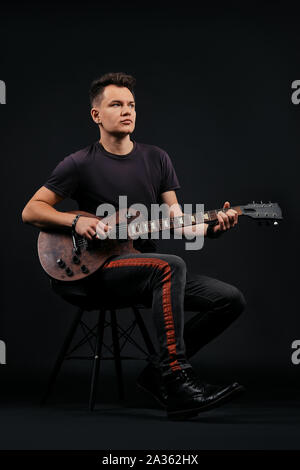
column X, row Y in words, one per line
column 225, row 220
column 170, row 198
column 39, row 211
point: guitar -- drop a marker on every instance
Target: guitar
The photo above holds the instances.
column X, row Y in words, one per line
column 71, row 257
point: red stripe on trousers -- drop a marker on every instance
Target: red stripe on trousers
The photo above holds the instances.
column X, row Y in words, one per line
column 166, row 297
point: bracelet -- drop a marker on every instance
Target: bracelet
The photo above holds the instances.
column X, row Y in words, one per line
column 210, row 232
column 75, row 222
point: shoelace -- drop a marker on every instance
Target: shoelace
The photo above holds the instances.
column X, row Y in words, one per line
column 192, row 377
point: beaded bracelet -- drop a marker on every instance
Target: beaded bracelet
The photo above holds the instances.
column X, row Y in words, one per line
column 75, row 222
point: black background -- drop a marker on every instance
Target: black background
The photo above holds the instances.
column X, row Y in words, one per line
column 214, row 91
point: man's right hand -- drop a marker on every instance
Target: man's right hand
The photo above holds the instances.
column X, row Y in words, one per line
column 91, row 227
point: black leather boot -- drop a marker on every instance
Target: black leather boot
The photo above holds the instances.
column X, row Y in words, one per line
column 187, row 396
column 151, row 382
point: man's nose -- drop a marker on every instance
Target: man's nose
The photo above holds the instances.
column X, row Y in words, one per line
column 126, row 110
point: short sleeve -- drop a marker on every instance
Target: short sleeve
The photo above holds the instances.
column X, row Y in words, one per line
column 169, row 180
column 64, row 178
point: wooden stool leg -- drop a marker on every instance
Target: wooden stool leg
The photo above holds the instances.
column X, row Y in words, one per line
column 96, row 362
column 116, row 345
column 62, row 355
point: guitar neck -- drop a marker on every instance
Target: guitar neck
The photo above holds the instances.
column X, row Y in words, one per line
column 187, row 220
column 210, row 216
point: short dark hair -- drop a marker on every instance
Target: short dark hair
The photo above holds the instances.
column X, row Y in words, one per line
column 113, row 78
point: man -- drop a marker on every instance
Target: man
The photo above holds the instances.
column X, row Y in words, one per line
column 116, row 165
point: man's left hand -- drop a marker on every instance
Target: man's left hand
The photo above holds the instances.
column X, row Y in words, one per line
column 226, row 220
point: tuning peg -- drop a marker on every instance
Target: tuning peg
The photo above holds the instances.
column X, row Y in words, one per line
column 275, row 223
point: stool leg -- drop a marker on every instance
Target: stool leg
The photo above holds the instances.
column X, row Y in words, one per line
column 62, row 355
column 144, row 331
column 96, row 362
column 116, row 345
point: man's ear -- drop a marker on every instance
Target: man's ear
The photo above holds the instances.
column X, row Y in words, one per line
column 95, row 115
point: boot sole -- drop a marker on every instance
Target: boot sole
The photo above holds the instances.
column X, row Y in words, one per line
column 189, row 413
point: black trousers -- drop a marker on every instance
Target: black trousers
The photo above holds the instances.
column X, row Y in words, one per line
column 161, row 281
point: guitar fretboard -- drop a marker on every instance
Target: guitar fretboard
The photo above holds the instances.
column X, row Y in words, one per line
column 158, row 225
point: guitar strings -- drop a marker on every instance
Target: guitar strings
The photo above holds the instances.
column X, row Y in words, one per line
column 122, row 229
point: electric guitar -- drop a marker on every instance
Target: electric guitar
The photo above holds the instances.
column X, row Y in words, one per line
column 67, row 256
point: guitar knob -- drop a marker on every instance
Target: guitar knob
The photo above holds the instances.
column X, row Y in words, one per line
column 84, row 269
column 69, row 272
column 61, row 263
column 75, row 259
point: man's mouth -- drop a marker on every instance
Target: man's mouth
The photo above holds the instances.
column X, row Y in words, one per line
column 127, row 121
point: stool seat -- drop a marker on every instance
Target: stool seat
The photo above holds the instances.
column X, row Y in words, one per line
column 81, row 298
column 89, row 304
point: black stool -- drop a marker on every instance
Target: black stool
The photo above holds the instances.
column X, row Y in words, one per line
column 94, row 337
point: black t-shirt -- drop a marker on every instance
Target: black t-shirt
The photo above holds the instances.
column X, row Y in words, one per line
column 93, row 176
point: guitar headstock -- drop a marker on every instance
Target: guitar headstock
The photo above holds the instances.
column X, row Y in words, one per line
column 263, row 211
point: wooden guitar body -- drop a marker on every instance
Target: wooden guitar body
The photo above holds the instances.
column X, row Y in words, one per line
column 62, row 262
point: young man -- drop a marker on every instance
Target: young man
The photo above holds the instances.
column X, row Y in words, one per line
column 117, row 165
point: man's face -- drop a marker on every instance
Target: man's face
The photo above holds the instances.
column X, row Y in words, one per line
column 117, row 110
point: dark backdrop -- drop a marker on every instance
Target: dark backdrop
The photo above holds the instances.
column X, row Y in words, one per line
column 214, row 91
